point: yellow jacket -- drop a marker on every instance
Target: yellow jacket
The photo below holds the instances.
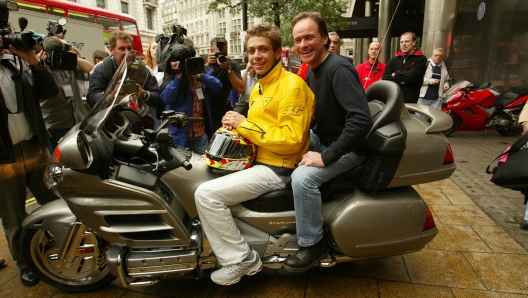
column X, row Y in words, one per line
column 281, row 106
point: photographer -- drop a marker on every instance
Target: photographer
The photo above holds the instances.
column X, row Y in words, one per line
column 120, row 44
column 23, row 141
column 190, row 94
column 65, row 109
column 228, row 72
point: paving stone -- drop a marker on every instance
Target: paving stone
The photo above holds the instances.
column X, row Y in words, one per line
column 403, row 290
column 461, row 215
column 340, row 286
column 501, row 272
column 390, row 268
column 442, row 268
column 458, row 238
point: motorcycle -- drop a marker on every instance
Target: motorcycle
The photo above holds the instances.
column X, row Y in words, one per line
column 483, row 108
column 126, row 207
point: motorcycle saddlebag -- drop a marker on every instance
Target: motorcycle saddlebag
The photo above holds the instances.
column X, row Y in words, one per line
column 385, row 149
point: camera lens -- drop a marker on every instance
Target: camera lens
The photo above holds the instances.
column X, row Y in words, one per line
column 222, row 58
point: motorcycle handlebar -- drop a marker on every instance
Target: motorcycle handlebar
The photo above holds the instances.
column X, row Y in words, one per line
column 179, row 157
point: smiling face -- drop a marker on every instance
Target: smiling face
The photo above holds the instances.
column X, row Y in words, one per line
column 309, row 44
column 261, row 55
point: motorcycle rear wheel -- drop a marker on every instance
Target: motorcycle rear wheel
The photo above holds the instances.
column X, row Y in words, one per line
column 83, row 272
column 510, row 131
column 456, row 123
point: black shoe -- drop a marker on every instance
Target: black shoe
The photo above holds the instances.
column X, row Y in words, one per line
column 524, row 225
column 306, row 257
column 28, row 278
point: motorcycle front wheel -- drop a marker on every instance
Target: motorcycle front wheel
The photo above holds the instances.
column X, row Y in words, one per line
column 456, row 123
column 83, row 267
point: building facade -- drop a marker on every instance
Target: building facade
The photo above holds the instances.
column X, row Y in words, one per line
column 146, row 12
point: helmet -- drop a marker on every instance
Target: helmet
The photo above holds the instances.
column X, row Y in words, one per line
column 229, row 151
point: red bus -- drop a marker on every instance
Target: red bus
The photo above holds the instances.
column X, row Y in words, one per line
column 88, row 27
column 290, row 61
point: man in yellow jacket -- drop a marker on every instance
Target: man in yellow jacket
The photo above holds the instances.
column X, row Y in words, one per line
column 280, row 110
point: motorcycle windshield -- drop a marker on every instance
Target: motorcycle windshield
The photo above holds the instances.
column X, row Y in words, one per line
column 455, row 87
column 130, row 70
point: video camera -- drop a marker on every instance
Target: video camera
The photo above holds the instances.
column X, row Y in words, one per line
column 220, row 43
column 18, row 41
column 172, row 48
column 58, row 51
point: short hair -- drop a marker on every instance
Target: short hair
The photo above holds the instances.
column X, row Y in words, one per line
column 188, row 42
column 266, row 30
column 213, row 42
column 333, row 33
column 413, row 36
column 117, row 34
column 99, row 55
column 438, row 49
column 317, row 17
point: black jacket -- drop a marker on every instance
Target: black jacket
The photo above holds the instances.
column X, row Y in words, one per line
column 37, row 84
column 100, row 78
column 410, row 70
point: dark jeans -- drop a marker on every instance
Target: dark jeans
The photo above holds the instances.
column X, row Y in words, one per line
column 15, row 179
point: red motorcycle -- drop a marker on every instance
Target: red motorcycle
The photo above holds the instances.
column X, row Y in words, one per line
column 483, row 108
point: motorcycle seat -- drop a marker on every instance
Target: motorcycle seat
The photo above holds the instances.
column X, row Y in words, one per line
column 505, row 99
column 282, row 199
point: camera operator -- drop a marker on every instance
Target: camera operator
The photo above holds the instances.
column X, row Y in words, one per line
column 228, row 72
column 23, row 141
column 65, row 109
column 120, row 44
column 190, row 94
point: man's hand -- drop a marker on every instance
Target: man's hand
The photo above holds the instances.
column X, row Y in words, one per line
column 226, row 65
column 435, row 82
column 211, row 60
column 176, row 65
column 232, row 120
column 446, row 88
column 312, row 158
column 27, row 55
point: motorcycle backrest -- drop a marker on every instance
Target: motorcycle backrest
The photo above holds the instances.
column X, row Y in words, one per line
column 385, row 101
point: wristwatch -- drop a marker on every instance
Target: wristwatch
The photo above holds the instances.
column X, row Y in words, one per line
column 229, row 70
column 36, row 64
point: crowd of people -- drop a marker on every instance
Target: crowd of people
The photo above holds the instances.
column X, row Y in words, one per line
column 287, row 118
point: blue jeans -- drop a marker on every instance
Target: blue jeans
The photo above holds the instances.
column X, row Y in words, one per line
column 198, row 144
column 306, row 181
column 56, row 135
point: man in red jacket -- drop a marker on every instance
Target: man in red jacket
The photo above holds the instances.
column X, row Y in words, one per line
column 372, row 70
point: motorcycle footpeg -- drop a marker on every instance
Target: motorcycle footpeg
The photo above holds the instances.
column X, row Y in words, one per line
column 328, row 261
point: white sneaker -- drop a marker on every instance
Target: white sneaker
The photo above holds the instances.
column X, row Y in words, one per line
column 232, row 274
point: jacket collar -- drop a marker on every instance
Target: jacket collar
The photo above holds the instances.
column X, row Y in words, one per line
column 271, row 76
column 415, row 53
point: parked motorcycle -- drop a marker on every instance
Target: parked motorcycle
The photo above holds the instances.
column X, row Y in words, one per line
column 483, row 108
column 126, row 206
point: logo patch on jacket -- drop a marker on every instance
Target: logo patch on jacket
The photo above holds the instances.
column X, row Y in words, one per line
column 293, row 111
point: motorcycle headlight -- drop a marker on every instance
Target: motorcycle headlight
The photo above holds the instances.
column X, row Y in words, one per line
column 53, row 175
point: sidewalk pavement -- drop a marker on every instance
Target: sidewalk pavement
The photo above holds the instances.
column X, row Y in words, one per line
column 479, row 252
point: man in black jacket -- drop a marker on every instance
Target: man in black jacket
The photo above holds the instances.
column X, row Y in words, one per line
column 407, row 69
column 120, row 43
column 23, row 142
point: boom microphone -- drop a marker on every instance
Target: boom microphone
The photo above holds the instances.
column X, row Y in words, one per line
column 22, row 23
column 51, row 44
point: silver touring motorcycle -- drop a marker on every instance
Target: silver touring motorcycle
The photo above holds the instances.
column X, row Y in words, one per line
column 126, row 207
